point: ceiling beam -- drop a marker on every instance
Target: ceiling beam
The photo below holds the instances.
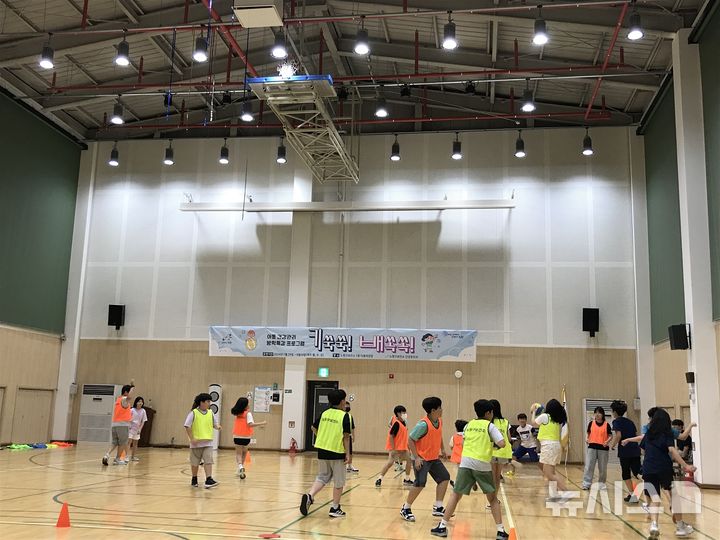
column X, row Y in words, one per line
column 25, row 51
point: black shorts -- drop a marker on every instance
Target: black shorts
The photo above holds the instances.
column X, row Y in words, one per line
column 630, row 467
column 658, row 481
column 241, row 441
column 436, row 469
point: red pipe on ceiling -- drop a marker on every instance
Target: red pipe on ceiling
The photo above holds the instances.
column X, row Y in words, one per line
column 491, row 11
column 431, row 119
column 608, row 54
column 225, row 31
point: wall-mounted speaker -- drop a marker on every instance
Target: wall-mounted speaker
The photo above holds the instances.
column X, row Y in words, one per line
column 215, row 391
column 678, row 334
column 591, row 320
column 116, row 316
column 690, row 377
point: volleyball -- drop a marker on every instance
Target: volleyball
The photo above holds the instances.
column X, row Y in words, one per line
column 538, row 408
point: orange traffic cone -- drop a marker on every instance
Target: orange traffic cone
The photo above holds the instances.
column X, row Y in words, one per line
column 64, row 517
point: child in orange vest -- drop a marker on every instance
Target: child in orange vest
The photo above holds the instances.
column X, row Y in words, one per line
column 599, row 436
column 397, row 445
column 243, row 432
column 456, row 441
column 121, row 419
column 426, row 444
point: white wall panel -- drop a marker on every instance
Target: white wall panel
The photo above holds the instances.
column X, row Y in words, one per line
column 141, row 226
column 528, row 306
column 616, row 300
column 486, row 303
column 612, row 215
column 277, row 299
column 136, row 294
column 209, row 294
column 100, row 286
column 404, row 298
column 247, row 294
column 324, row 282
column 444, row 297
column 363, row 297
column 569, row 221
column 106, row 226
column 571, row 293
column 171, row 303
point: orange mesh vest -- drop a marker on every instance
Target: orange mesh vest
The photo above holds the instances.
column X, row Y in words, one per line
column 598, row 434
column 458, row 441
column 428, row 447
column 401, row 439
column 120, row 413
column 241, row 428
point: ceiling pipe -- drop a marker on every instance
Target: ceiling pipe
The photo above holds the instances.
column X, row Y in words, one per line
column 191, row 27
column 428, row 120
column 606, row 63
column 475, row 75
column 289, row 21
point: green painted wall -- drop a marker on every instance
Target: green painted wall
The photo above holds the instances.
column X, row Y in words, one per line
column 38, row 184
column 667, row 300
column 709, row 46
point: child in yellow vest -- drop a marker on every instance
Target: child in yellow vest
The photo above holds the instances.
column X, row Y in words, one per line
column 199, row 426
column 243, row 431
column 501, row 456
column 333, row 430
column 550, row 425
column 481, row 436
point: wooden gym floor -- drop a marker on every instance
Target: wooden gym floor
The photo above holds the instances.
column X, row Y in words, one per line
column 153, row 499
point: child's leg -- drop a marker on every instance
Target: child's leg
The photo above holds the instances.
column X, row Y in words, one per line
column 208, row 469
column 602, row 456
column 440, row 490
column 239, row 458
column 497, row 472
column 442, row 477
column 133, row 446
column 194, row 469
column 388, row 464
column 495, row 507
column 243, row 454
column 413, row 494
column 452, row 503
column 337, row 493
column 591, row 457
column 552, row 476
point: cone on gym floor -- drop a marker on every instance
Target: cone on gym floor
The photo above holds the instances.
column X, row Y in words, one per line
column 64, row 517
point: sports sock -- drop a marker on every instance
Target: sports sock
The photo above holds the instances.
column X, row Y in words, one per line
column 443, row 523
column 500, row 527
column 438, row 504
column 406, row 506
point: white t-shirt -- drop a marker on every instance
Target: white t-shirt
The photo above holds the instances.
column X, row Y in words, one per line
column 476, row 464
column 139, row 417
column 189, row 422
column 527, row 439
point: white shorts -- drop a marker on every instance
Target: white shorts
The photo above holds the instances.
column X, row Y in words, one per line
column 550, row 452
column 134, row 436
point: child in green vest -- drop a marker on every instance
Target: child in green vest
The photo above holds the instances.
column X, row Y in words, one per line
column 501, row 456
column 199, row 426
column 481, row 437
column 333, row 430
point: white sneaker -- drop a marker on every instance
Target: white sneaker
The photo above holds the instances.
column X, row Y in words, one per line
column 654, row 531
column 684, row 530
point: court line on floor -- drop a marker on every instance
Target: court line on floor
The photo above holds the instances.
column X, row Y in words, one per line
column 278, row 531
column 511, row 522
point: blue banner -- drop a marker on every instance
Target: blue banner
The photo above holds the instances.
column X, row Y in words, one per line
column 365, row 343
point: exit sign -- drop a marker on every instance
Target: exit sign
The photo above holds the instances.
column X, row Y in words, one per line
column 323, row 372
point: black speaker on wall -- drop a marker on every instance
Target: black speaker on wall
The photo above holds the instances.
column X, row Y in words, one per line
column 591, row 320
column 678, row 334
column 116, row 316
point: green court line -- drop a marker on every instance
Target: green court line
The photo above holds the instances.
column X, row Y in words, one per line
column 311, row 513
column 626, row 522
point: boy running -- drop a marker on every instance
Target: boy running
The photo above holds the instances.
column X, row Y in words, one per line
column 397, row 446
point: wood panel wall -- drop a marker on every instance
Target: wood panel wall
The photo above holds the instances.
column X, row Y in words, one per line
column 515, row 376
column 168, row 374
column 671, row 390
column 28, row 359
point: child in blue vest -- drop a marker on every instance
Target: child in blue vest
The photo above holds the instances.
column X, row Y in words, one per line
column 332, row 441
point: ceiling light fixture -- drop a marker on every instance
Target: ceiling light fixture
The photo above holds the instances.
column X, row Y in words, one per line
column 362, row 41
column 279, row 50
column 395, row 150
column 528, row 101
column 114, row 160
column 635, row 31
column 47, row 56
column 224, row 154
column 587, row 144
column 381, row 110
column 540, row 36
column 117, row 115
column 520, row 146
column 246, row 112
column 457, row 148
column 122, row 58
column 200, row 54
column 281, row 152
column 169, row 155
column 449, row 40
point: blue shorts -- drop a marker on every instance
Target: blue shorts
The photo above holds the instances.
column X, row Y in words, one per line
column 521, row 451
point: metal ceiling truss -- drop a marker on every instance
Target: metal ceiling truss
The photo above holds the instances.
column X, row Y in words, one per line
column 299, row 105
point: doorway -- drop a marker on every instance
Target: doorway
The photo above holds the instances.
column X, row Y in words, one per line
column 31, row 419
column 317, row 403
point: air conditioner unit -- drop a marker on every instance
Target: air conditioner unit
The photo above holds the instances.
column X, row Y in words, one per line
column 96, row 410
column 259, row 13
